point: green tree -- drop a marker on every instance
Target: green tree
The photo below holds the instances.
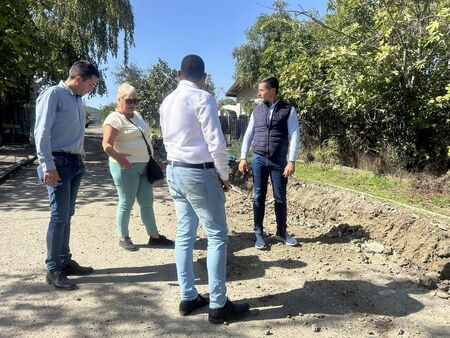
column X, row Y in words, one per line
column 132, row 74
column 159, row 82
column 374, row 74
column 45, row 37
column 108, row 108
column 388, row 74
column 209, row 85
column 247, row 105
column 225, row 101
column 83, row 29
column 19, row 47
column 265, row 50
column 153, row 85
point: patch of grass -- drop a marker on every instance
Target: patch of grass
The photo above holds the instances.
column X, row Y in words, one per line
column 235, row 150
column 389, row 187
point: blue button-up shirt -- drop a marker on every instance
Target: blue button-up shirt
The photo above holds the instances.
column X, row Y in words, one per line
column 60, row 122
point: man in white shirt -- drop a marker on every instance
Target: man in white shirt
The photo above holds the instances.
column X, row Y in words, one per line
column 197, row 175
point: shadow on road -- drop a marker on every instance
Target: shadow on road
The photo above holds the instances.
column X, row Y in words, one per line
column 339, row 297
column 115, row 312
column 25, row 192
column 141, row 274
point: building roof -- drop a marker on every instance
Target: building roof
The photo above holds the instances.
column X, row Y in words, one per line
column 234, row 89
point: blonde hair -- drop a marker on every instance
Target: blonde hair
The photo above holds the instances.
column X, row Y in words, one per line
column 126, row 91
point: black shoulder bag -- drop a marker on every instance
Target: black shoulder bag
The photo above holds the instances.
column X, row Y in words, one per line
column 154, row 171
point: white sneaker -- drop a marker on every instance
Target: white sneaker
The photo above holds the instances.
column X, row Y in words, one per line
column 288, row 240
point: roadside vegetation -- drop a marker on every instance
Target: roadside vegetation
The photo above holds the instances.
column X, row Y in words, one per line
column 416, row 190
column 370, row 79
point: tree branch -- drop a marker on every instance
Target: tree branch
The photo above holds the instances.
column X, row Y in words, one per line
column 399, row 36
column 320, row 23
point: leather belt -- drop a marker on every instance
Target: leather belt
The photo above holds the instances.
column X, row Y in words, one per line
column 67, row 155
column 207, row 165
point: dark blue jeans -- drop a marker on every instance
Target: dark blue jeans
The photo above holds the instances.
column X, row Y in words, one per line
column 62, row 207
column 263, row 168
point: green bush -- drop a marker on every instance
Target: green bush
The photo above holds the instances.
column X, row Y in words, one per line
column 328, row 152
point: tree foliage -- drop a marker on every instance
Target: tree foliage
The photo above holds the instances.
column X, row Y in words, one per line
column 43, row 38
column 373, row 73
column 18, row 48
column 209, row 85
column 225, row 101
column 153, row 85
column 108, row 108
column 247, row 105
column 84, row 29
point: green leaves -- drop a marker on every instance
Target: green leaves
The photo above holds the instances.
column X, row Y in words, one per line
column 153, row 85
column 373, row 72
column 47, row 36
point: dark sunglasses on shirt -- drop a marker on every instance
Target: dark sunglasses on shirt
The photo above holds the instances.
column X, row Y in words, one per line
column 132, row 101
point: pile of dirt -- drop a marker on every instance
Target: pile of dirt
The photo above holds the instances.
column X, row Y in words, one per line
column 421, row 240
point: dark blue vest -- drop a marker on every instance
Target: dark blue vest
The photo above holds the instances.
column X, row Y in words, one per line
column 271, row 138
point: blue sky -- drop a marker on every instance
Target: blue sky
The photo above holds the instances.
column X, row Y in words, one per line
column 171, row 29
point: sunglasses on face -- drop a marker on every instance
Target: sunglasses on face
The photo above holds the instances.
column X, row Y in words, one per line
column 132, row 101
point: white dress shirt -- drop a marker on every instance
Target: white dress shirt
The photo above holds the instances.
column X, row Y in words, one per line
column 191, row 128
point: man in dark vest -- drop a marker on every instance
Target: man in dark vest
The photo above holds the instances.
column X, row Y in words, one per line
column 273, row 134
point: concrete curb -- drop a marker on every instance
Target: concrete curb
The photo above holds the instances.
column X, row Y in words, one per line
column 4, row 175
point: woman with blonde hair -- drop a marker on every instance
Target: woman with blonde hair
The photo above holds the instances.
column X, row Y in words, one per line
column 123, row 140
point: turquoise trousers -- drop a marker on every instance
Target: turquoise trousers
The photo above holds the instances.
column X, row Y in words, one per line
column 132, row 184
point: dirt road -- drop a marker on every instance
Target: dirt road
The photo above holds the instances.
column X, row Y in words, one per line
column 331, row 286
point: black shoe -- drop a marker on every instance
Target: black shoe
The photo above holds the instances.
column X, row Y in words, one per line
column 231, row 311
column 74, row 269
column 128, row 245
column 161, row 241
column 188, row 306
column 59, row 280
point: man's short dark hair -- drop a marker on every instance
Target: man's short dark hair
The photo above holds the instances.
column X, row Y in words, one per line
column 271, row 82
column 192, row 67
column 85, row 69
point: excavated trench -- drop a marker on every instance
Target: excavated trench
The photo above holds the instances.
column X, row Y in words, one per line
column 420, row 239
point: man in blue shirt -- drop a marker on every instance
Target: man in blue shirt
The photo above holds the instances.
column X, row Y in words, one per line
column 273, row 133
column 59, row 137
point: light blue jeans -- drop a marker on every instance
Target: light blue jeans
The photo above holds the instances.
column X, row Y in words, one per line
column 132, row 184
column 199, row 196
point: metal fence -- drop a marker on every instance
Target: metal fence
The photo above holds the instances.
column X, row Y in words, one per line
column 15, row 124
column 233, row 127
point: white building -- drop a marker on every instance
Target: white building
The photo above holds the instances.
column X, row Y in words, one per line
column 241, row 92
